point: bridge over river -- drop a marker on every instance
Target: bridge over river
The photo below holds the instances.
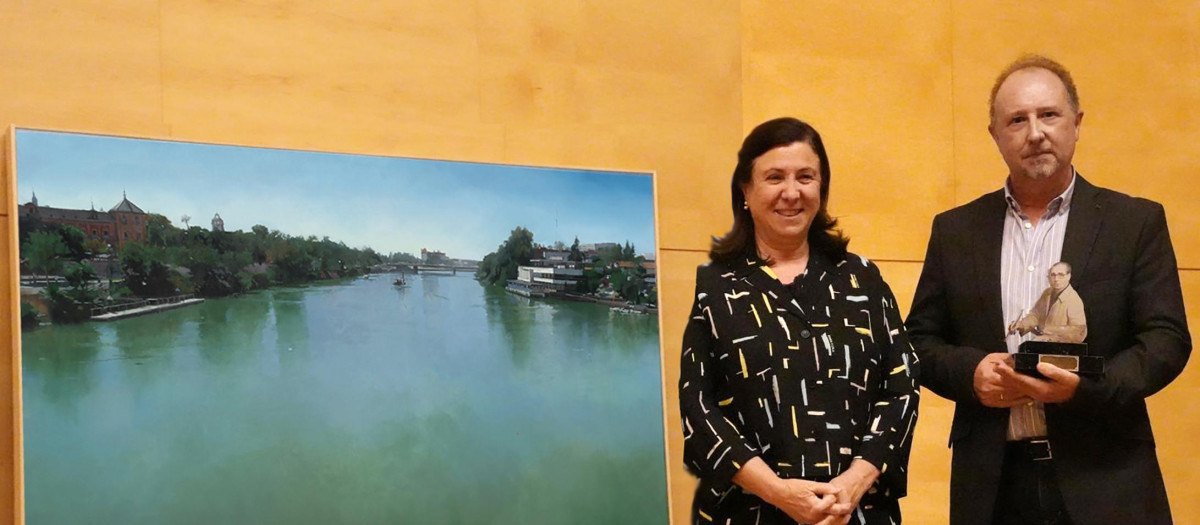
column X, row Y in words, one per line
column 447, row 269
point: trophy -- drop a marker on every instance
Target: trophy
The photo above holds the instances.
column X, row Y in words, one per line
column 1059, row 326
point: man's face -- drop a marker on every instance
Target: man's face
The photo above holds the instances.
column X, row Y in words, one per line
column 1034, row 126
column 1060, row 277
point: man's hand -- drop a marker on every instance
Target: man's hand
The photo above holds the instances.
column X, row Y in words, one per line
column 1059, row 385
column 990, row 385
column 1016, row 328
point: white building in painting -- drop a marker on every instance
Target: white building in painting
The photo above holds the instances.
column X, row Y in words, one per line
column 554, row 272
column 561, row 279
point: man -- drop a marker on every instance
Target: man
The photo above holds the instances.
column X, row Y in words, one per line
column 1065, row 450
column 1058, row 315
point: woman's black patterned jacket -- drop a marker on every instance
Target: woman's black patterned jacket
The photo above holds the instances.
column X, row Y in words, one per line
column 807, row 385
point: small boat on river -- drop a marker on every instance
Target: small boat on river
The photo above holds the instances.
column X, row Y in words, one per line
column 399, row 282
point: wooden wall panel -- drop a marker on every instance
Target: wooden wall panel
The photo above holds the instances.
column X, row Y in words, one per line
column 1175, row 416
column 929, row 464
column 899, row 91
column 316, row 76
column 875, row 82
column 88, row 63
column 614, row 85
column 677, row 273
column 564, row 83
column 1137, row 68
column 11, row 459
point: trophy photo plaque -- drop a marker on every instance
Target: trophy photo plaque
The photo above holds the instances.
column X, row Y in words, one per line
column 1058, row 324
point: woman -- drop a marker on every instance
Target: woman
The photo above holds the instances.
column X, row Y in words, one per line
column 798, row 384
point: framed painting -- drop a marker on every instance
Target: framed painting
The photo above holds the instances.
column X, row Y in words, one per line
column 225, row 334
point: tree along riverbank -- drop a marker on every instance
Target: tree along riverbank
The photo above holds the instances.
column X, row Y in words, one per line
column 173, row 261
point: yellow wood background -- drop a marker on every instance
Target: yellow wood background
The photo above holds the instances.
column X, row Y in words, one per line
column 898, row 88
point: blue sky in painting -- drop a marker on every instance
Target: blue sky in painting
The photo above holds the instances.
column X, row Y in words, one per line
column 389, row 204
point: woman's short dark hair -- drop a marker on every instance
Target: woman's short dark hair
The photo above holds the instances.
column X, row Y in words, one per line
column 823, row 234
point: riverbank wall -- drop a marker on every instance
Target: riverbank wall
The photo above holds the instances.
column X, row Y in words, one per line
column 143, row 310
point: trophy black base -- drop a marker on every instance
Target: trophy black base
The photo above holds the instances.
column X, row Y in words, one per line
column 1067, row 356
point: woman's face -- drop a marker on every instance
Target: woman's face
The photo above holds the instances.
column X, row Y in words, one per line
column 784, row 193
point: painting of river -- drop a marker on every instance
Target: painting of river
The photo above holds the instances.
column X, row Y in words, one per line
column 376, row 387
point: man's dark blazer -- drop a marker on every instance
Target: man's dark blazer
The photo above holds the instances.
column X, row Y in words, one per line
column 1123, row 266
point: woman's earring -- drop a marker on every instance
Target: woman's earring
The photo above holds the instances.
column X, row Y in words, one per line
column 745, row 205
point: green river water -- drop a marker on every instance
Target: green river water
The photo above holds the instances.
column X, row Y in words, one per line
column 442, row 402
